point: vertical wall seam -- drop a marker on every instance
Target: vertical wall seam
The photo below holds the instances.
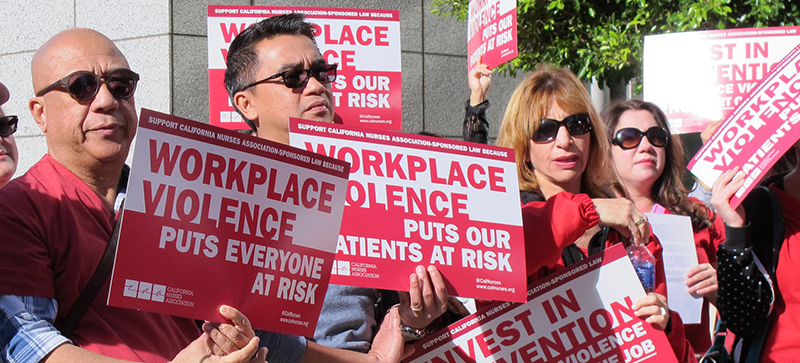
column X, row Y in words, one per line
column 171, row 52
column 422, row 32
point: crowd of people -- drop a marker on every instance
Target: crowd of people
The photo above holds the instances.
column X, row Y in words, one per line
column 608, row 169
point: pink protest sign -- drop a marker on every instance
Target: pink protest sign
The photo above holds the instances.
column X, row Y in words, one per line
column 702, row 76
column 217, row 217
column 365, row 43
column 491, row 32
column 761, row 129
column 417, row 200
column 580, row 314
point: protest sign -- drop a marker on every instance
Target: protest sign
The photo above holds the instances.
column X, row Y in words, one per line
column 417, row 200
column 217, row 217
column 579, row 314
column 491, row 32
column 365, row 43
column 700, row 77
column 761, row 129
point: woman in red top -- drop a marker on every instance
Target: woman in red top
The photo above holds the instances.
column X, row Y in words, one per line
column 650, row 164
column 569, row 190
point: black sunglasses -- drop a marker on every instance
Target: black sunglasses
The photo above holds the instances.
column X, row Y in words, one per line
column 297, row 78
column 84, row 85
column 8, row 125
column 630, row 137
column 577, row 124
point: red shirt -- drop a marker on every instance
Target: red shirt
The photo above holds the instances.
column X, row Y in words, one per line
column 782, row 343
column 54, row 231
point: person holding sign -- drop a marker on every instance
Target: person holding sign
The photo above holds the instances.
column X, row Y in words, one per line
column 8, row 147
column 476, row 128
column 58, row 219
column 563, row 169
column 757, row 297
column 650, row 164
column 275, row 71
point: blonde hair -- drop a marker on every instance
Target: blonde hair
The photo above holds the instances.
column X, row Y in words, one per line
column 531, row 102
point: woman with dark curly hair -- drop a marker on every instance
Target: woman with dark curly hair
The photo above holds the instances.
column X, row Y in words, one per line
column 650, row 164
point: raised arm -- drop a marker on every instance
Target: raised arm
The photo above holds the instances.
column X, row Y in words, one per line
column 476, row 127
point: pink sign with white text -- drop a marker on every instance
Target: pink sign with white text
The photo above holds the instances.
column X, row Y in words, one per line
column 364, row 43
column 419, row 200
column 217, row 217
column 578, row 314
column 491, row 32
column 761, row 129
column 699, row 77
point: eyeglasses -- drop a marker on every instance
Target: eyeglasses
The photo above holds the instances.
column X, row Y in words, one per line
column 577, row 124
column 84, row 85
column 8, row 125
column 630, row 137
column 297, row 78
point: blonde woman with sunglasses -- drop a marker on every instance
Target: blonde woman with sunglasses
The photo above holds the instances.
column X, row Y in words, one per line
column 572, row 204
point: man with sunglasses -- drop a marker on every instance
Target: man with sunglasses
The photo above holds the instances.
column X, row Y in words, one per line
column 275, row 71
column 58, row 218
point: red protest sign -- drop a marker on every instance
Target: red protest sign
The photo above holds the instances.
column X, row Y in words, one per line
column 217, row 217
column 365, row 43
column 699, row 77
column 491, row 32
column 580, row 314
column 760, row 130
column 416, row 200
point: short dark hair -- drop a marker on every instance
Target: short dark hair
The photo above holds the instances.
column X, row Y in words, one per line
column 242, row 59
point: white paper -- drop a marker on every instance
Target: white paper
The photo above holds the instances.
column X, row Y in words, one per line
column 679, row 255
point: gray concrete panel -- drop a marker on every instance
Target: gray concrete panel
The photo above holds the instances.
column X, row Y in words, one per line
column 124, row 19
column 190, row 78
column 412, row 92
column 189, row 16
column 31, row 149
column 15, row 73
column 443, row 35
column 445, row 91
column 150, row 58
column 27, row 25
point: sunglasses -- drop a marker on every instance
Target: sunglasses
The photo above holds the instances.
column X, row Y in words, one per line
column 84, row 85
column 577, row 124
column 297, row 78
column 8, row 125
column 629, row 138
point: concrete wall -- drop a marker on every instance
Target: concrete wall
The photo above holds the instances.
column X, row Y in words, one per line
column 165, row 42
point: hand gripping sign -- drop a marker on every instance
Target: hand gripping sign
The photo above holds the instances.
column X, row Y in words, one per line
column 217, row 217
column 761, row 129
column 415, row 200
column 576, row 315
column 491, row 32
column 365, row 43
